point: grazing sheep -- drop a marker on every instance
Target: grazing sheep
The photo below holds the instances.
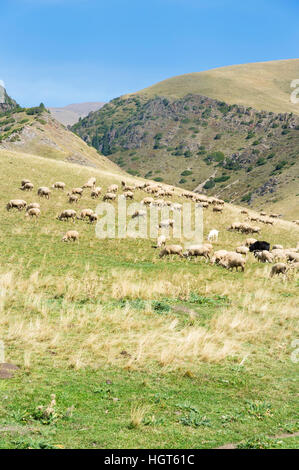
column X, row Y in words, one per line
column 244, row 211
column 33, row 205
column 43, row 191
column 197, row 250
column 129, row 195
column 218, row 255
column 85, row 213
column 264, row 256
column 109, row 197
column 277, row 247
column 147, row 201
column 73, row 198
column 217, row 209
column 274, row 216
column 267, row 221
column 139, row 213
column 93, row 218
column 33, row 212
column 71, row 235
column 113, row 188
column 243, row 250
column 67, row 214
column 78, row 191
column 245, row 228
column 278, row 268
column 250, row 241
column 296, row 222
column 253, row 218
column 161, row 240
column 96, row 192
column 16, row 204
column 279, row 254
column 171, row 250
column 166, row 223
column 233, row 260
column 263, row 214
column 24, row 182
column 90, row 183
column 59, row 185
column 259, row 246
column 292, row 256
column 213, row 235
column 27, row 187
column 235, row 226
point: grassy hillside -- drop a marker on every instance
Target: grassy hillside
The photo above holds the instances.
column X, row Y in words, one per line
column 159, row 352
column 35, row 131
column 262, row 85
column 236, row 152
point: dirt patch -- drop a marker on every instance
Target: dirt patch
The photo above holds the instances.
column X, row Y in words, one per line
column 7, row 370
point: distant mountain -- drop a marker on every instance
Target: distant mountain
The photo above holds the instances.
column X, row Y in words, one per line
column 70, row 114
column 215, row 132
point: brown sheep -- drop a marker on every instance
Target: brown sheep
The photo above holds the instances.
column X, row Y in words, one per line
column 16, row 204
column 33, row 205
column 73, row 198
column 218, row 255
column 129, row 195
column 33, row 212
column 58, row 185
column 109, row 197
column 233, row 260
column 264, row 256
column 27, row 187
column 85, row 213
column 292, row 256
column 96, row 192
column 278, row 268
column 171, row 250
column 113, row 188
column 67, row 214
column 43, row 191
column 78, row 191
column 71, row 235
column 243, row 250
column 197, row 250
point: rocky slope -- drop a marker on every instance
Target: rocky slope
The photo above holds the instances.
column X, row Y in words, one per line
column 236, row 152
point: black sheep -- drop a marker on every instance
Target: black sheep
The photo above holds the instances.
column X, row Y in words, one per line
column 259, row 246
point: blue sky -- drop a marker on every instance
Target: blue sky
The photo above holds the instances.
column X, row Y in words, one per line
column 67, row 51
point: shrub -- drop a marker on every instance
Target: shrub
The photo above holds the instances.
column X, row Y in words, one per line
column 209, row 184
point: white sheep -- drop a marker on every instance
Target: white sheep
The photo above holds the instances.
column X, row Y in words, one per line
column 71, row 235
column 213, row 235
column 33, row 212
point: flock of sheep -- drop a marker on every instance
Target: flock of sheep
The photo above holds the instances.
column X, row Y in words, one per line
column 228, row 259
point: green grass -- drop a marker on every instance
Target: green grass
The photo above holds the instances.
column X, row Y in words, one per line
column 138, row 351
